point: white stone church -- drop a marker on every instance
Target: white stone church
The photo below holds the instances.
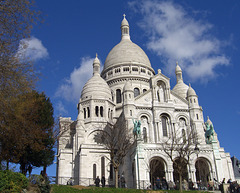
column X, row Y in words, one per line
column 129, row 86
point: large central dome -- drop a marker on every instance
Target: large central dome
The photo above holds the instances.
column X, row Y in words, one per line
column 126, row 52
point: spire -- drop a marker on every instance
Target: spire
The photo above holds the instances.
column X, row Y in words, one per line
column 96, row 65
column 125, row 28
column 178, row 72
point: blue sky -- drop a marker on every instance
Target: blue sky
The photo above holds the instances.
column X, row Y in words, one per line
column 203, row 36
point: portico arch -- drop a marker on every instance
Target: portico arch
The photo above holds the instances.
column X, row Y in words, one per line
column 157, row 168
column 203, row 169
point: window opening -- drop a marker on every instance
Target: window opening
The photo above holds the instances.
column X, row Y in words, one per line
column 136, row 92
column 96, row 111
column 118, row 96
column 101, row 111
column 94, row 171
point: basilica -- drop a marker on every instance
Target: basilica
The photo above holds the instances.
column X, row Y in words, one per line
column 129, row 87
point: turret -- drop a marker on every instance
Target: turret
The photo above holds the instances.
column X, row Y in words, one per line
column 125, row 28
column 128, row 100
column 192, row 97
column 180, row 88
column 96, row 66
column 178, row 72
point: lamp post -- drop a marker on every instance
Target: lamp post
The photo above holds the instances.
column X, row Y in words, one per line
column 197, row 151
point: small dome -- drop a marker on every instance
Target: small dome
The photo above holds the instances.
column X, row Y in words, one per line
column 127, row 87
column 96, row 87
column 181, row 89
column 191, row 91
column 96, row 60
column 124, row 21
column 177, row 69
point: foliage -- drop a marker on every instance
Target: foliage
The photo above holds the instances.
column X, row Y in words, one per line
column 12, row 182
column 32, row 121
column 16, row 77
column 118, row 140
column 43, row 183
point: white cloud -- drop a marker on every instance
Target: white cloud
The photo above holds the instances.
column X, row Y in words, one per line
column 32, row 49
column 175, row 36
column 60, row 109
column 71, row 88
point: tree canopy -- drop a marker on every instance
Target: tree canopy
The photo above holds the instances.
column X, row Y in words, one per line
column 16, row 76
column 27, row 135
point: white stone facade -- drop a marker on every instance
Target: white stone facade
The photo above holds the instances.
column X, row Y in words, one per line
column 128, row 84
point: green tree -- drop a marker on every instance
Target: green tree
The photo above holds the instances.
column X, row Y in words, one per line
column 29, row 133
column 16, row 76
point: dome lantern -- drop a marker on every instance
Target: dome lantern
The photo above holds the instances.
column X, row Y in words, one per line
column 125, row 29
column 96, row 65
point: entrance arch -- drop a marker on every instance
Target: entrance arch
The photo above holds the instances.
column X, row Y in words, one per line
column 157, row 169
column 202, row 171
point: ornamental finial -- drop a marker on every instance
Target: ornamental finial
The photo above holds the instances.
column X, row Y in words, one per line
column 177, row 62
column 124, row 15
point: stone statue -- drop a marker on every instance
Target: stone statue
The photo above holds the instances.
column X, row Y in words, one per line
column 137, row 128
column 209, row 132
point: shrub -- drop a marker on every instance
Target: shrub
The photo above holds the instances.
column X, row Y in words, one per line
column 12, row 181
column 42, row 182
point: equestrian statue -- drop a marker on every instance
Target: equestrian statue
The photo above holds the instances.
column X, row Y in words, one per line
column 137, row 128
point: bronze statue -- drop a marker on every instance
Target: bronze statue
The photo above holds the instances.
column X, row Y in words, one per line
column 137, row 128
column 209, row 132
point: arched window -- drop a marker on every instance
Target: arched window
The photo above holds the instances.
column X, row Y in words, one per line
column 101, row 111
column 144, row 90
column 84, row 112
column 144, row 134
column 103, row 166
column 182, row 125
column 136, row 92
column 145, row 126
column 96, row 111
column 109, row 113
column 130, row 112
column 111, row 172
column 118, row 96
column 184, row 135
column 164, row 125
column 88, row 112
column 94, row 171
